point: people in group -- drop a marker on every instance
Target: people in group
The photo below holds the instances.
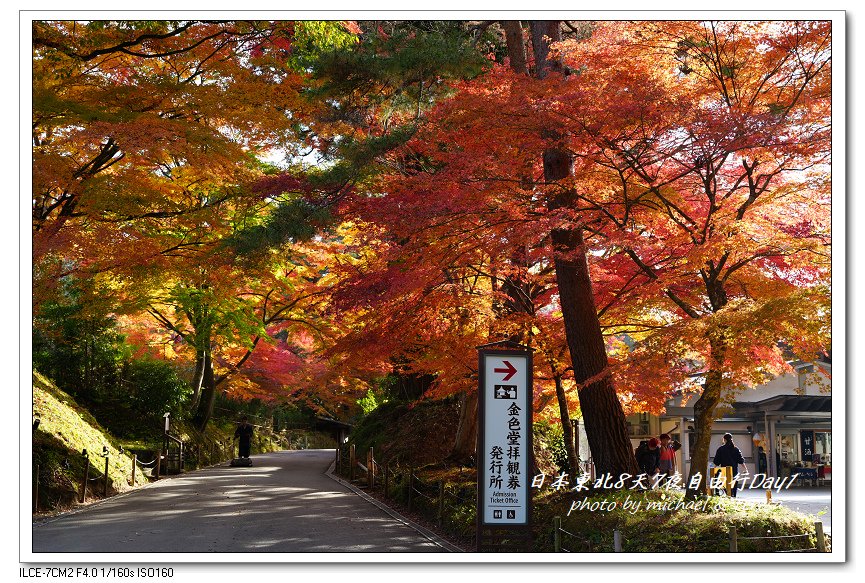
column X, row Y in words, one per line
column 728, row 455
column 243, row 433
column 668, row 449
column 648, row 455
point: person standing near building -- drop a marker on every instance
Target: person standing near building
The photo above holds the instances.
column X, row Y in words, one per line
column 668, row 447
column 762, row 461
column 728, row 455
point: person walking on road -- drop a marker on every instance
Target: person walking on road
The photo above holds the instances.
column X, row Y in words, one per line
column 244, row 434
column 728, row 455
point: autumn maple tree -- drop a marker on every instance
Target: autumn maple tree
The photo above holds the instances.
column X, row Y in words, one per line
column 145, row 144
column 460, row 183
column 721, row 212
column 642, row 203
column 685, row 176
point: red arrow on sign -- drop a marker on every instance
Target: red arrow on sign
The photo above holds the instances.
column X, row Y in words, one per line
column 510, row 370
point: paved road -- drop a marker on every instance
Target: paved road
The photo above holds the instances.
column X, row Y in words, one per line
column 284, row 503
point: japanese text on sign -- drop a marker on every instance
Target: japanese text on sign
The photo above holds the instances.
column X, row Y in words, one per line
column 504, row 464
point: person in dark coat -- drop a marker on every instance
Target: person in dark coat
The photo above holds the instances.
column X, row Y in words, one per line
column 762, row 461
column 649, row 456
column 244, row 434
column 728, row 455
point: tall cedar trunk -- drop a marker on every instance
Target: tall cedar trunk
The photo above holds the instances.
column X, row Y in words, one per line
column 465, row 444
column 516, row 45
column 545, row 32
column 704, row 417
column 606, row 427
column 567, row 428
column 208, row 394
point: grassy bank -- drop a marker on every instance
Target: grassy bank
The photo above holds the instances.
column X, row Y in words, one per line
column 663, row 521
column 64, row 432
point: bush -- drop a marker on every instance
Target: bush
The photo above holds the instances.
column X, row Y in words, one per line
column 550, row 445
column 368, row 403
column 156, row 389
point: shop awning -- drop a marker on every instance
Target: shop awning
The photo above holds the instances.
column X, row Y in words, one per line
column 787, row 404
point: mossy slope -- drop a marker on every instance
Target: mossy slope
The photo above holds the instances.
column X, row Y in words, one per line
column 65, row 430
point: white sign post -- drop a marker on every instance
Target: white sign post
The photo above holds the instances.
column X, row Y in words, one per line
column 504, row 437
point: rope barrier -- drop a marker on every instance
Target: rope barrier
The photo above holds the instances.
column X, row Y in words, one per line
column 772, row 537
column 444, row 495
column 574, row 536
column 570, row 533
column 458, row 496
column 415, row 488
column 421, row 493
column 99, row 477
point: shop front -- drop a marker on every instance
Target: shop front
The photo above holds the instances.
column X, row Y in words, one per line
column 782, row 428
column 798, row 429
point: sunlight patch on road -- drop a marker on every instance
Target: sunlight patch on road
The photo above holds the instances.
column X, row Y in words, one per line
column 319, row 494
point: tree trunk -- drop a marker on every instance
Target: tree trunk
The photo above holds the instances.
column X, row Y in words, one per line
column 208, row 394
column 704, row 418
column 545, row 32
column 567, row 428
column 466, row 442
column 606, row 427
column 197, row 379
column 516, row 45
column 465, row 445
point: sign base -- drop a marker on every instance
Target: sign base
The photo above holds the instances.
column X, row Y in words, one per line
column 504, row 539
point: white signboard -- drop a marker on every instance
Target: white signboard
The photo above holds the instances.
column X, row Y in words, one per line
column 503, row 471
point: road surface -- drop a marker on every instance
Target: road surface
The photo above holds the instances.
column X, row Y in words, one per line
column 285, row 503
